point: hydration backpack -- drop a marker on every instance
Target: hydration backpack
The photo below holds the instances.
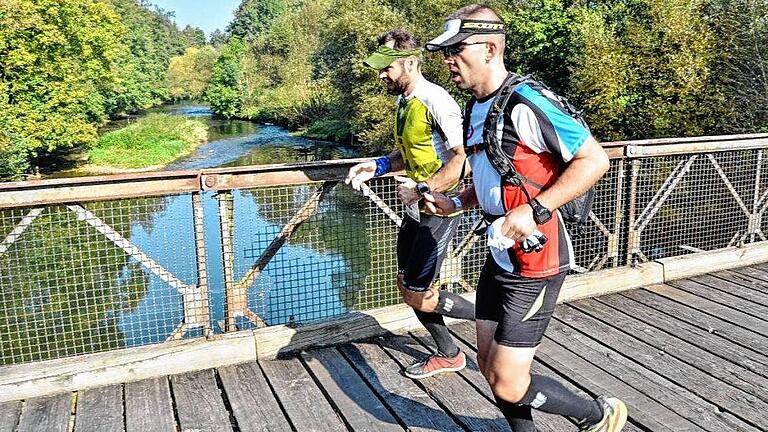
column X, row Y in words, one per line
column 575, row 214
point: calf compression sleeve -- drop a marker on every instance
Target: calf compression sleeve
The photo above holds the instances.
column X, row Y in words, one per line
column 518, row 416
column 546, row 394
column 455, row 306
column 435, row 325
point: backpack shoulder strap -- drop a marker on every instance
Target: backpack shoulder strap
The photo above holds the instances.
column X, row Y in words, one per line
column 501, row 161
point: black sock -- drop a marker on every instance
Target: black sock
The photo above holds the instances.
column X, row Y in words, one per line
column 546, row 394
column 455, row 306
column 518, row 416
column 435, row 325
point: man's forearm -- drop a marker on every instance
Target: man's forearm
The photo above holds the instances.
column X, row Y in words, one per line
column 447, row 176
column 581, row 174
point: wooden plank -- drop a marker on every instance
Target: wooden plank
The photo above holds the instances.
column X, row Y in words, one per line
column 252, row 401
column 761, row 266
column 710, row 307
column 643, row 409
column 682, row 401
column 304, row 403
column 124, row 365
column 199, row 402
column 9, row 415
column 744, row 286
column 659, row 148
column 705, row 262
column 744, row 406
column 544, row 422
column 110, row 188
column 409, row 403
column 473, row 411
column 353, row 399
column 50, row 414
column 747, row 276
column 100, row 410
column 662, row 298
column 758, row 311
column 142, row 397
column 621, row 279
column 687, row 342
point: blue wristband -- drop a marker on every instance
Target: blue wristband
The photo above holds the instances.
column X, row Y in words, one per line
column 383, row 165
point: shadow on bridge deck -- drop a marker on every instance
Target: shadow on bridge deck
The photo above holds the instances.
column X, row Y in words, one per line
column 691, row 355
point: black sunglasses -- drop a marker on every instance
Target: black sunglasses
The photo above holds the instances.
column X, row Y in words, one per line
column 455, row 49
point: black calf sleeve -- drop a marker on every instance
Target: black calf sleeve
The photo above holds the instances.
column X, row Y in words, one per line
column 435, row 325
column 518, row 416
column 455, row 306
column 546, row 394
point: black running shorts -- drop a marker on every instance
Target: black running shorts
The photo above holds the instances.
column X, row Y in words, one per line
column 421, row 247
column 522, row 306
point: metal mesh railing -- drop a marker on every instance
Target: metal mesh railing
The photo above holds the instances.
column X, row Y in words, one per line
column 694, row 203
column 94, row 276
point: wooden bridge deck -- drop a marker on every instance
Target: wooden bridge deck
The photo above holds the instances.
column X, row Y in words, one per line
column 691, row 355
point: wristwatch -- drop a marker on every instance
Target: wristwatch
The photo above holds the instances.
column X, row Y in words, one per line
column 541, row 214
column 423, row 188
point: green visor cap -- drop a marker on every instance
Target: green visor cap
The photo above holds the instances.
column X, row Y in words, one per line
column 384, row 56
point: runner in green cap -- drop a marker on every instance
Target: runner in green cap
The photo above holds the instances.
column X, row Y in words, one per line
column 429, row 146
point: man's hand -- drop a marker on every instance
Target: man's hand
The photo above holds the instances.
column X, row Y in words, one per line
column 438, row 203
column 518, row 223
column 360, row 173
column 406, row 190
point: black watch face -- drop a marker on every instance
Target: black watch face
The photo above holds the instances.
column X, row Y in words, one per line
column 542, row 214
column 422, row 188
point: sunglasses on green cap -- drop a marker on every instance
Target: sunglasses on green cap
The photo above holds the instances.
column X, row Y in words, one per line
column 384, row 56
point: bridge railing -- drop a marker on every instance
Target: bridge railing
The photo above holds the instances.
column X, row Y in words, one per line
column 101, row 263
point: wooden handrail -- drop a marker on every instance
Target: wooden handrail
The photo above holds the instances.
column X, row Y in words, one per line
column 147, row 184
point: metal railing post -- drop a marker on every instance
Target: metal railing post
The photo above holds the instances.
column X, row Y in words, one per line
column 754, row 222
column 226, row 224
column 204, row 315
column 633, row 238
column 613, row 239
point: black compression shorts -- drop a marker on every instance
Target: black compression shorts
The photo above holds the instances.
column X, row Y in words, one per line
column 421, row 248
column 522, row 306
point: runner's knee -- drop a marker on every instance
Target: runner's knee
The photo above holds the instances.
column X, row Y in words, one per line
column 508, row 386
column 424, row 301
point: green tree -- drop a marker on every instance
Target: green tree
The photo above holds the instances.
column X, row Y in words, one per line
column 645, row 68
column 193, row 36
column 225, row 90
column 57, row 62
column 539, row 40
column 740, row 66
column 150, row 40
column 189, row 74
column 218, row 38
column 253, row 17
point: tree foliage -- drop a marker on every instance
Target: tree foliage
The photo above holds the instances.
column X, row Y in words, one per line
column 68, row 65
column 253, row 17
column 57, row 68
column 189, row 74
column 639, row 68
column 645, row 69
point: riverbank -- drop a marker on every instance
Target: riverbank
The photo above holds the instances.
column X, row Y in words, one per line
column 149, row 143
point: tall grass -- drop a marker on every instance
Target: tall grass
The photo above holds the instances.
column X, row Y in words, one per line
column 155, row 140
